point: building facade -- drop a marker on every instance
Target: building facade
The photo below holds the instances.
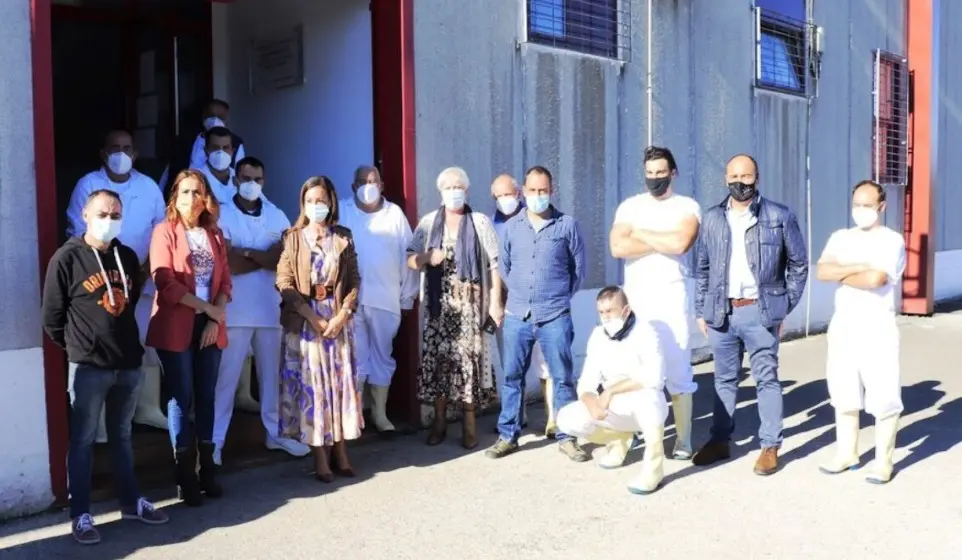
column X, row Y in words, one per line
column 818, row 91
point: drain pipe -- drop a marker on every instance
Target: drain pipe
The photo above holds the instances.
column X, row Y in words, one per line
column 808, row 214
column 648, row 68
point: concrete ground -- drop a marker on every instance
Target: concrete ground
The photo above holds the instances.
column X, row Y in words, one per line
column 413, row 501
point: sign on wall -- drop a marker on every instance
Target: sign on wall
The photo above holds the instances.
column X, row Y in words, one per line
column 277, row 61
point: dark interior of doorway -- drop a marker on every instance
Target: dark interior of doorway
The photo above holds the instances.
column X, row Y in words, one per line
column 113, row 67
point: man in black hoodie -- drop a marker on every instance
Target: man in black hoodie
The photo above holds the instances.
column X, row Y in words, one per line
column 89, row 297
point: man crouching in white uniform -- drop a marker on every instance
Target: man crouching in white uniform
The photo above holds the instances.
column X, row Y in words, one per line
column 624, row 358
column 863, row 337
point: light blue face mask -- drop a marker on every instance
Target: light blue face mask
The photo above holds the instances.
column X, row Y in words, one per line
column 537, row 203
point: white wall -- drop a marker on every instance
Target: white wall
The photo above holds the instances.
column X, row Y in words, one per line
column 25, row 467
column 324, row 127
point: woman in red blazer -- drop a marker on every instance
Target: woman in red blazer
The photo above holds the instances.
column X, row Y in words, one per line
column 188, row 261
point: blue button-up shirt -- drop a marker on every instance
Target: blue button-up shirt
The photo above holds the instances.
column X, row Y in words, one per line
column 542, row 269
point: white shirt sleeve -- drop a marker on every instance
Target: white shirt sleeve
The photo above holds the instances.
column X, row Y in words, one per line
column 197, row 156
column 240, row 153
column 622, row 213
column 893, row 262
column 75, row 208
column 160, row 207
column 591, row 371
column 830, row 253
column 694, row 209
column 651, row 374
column 410, row 279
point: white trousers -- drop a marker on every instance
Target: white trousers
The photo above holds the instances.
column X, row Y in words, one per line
column 266, row 343
column 374, row 332
column 628, row 412
column 667, row 309
column 862, row 365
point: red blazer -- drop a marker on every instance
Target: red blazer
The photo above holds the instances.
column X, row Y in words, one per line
column 171, row 322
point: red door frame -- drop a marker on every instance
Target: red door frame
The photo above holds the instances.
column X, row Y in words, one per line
column 919, row 279
column 393, row 50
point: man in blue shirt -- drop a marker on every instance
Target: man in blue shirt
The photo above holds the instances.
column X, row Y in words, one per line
column 542, row 262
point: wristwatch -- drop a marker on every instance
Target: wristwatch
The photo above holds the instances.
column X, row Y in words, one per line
column 349, row 310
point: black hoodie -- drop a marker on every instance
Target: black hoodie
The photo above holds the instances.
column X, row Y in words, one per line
column 96, row 327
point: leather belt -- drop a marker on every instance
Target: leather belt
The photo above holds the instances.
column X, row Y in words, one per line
column 742, row 302
column 321, row 293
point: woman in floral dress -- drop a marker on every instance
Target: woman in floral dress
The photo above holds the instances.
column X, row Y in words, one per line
column 320, row 398
column 457, row 251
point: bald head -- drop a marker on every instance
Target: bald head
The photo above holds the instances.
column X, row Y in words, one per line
column 742, row 168
column 504, row 185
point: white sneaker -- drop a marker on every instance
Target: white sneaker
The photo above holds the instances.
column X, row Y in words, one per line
column 291, row 447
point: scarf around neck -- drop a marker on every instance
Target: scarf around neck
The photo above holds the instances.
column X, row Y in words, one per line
column 467, row 257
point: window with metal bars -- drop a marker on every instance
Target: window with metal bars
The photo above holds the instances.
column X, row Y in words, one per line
column 890, row 121
column 597, row 27
column 782, row 45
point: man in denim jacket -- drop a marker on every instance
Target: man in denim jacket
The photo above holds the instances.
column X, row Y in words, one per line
column 750, row 273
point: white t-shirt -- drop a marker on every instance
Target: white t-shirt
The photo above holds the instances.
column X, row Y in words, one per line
column 143, row 208
column 255, row 301
column 381, row 240
column 224, row 193
column 637, row 356
column 201, row 261
column 880, row 248
column 646, row 212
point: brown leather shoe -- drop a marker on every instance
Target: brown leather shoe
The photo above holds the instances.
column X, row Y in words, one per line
column 767, row 462
column 711, row 452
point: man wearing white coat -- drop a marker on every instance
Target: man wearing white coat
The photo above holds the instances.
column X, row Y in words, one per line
column 381, row 234
column 624, row 358
column 653, row 232
column 862, row 367
column 253, row 227
column 144, row 207
column 509, row 201
column 217, row 169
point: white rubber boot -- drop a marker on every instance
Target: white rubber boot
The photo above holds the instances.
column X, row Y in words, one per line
column 242, row 397
column 379, row 408
column 652, row 465
column 551, row 425
column 681, row 406
column 885, row 432
column 149, row 411
column 617, row 450
column 846, row 444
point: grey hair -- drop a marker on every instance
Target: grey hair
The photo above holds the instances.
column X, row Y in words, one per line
column 453, row 175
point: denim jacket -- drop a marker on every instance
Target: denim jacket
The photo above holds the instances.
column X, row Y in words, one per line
column 776, row 254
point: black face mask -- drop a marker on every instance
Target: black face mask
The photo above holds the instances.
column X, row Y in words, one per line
column 657, row 186
column 741, row 191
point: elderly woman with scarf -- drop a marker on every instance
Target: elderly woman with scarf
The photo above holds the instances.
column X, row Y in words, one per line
column 456, row 251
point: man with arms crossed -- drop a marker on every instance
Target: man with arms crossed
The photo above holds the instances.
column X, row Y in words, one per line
column 653, row 232
column 624, row 357
column 752, row 265
column 867, row 262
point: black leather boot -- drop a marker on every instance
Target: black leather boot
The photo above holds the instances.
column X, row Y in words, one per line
column 208, row 471
column 188, row 487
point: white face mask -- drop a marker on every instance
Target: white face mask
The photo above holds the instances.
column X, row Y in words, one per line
column 453, row 198
column 368, row 193
column 104, row 230
column 249, row 191
column 316, row 213
column 119, row 163
column 219, row 160
column 613, row 326
column 211, row 122
column 864, row 218
column 507, row 205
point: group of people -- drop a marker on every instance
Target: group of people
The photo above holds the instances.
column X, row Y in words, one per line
column 217, row 273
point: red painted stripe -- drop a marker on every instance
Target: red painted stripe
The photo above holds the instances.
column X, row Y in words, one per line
column 54, row 366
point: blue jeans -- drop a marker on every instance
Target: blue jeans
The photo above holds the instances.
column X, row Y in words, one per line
column 190, row 378
column 91, row 389
column 555, row 338
column 744, row 327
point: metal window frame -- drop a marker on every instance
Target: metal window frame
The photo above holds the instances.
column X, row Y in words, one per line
column 901, row 95
column 806, row 32
column 616, row 46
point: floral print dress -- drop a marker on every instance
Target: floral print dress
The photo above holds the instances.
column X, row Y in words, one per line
column 455, row 356
column 320, row 397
